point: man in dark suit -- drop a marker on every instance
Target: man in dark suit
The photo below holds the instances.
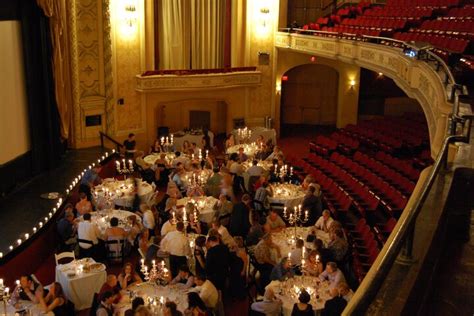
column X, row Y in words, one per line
column 335, row 305
column 239, row 219
column 313, row 204
column 217, row 262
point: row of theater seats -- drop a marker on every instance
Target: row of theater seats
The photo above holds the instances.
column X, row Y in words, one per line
column 424, row 3
column 376, row 22
column 406, row 12
column 463, row 12
column 455, row 45
column 461, row 26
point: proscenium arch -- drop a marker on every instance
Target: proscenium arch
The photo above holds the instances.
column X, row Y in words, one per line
column 324, row 108
column 416, row 78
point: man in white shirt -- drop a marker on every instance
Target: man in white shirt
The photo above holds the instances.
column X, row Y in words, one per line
column 333, row 275
column 297, row 253
column 88, row 235
column 255, row 170
column 226, row 238
column 148, row 217
column 177, row 245
column 168, row 226
column 270, row 306
column 207, row 291
column 324, row 222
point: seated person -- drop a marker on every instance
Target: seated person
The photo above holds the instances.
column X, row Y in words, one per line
column 274, row 222
column 313, row 265
column 223, row 208
column 84, row 205
column 135, row 228
column 335, row 305
column 297, row 253
column 106, row 308
column 345, row 291
column 170, row 309
column 111, row 285
column 67, row 228
column 128, row 277
column 263, row 255
column 184, row 277
column 114, row 230
column 270, row 306
column 168, row 226
column 332, row 274
column 261, row 195
column 282, row 270
column 303, row 308
column 224, row 234
column 324, row 222
column 27, row 290
column 207, row 291
column 196, row 306
column 55, row 301
column 136, row 303
column 338, row 246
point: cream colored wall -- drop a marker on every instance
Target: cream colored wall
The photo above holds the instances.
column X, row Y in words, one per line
column 347, row 96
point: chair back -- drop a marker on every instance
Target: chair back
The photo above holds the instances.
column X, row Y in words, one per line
column 64, row 255
column 115, row 247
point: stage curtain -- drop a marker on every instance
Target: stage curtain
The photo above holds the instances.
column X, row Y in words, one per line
column 55, row 10
column 207, row 33
column 173, row 28
column 239, row 51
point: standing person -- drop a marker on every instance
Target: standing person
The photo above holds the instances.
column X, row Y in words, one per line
column 88, row 235
column 176, row 244
column 90, row 177
column 130, row 145
column 200, row 255
column 313, row 204
column 229, row 142
column 239, row 260
column 239, row 219
column 217, row 262
column 56, row 302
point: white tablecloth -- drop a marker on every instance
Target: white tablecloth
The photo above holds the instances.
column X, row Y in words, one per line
column 205, row 207
column 257, row 131
column 290, row 195
column 102, row 219
column 35, row 309
column 122, row 192
column 150, row 159
column 179, row 140
column 147, row 291
column 285, row 239
column 249, row 149
column 80, row 288
column 286, row 292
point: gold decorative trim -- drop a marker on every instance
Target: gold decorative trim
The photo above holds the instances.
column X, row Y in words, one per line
column 206, row 81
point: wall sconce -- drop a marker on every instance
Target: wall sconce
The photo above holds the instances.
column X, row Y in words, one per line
column 130, row 14
column 278, row 88
column 264, row 12
column 352, row 83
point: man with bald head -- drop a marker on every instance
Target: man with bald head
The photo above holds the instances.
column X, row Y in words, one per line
column 270, row 306
column 111, row 285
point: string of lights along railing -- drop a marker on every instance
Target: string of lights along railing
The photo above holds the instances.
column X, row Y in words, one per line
column 27, row 235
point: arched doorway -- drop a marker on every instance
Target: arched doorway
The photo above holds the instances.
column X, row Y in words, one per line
column 308, row 97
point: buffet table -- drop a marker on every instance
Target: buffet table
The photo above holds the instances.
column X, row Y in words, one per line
column 80, row 279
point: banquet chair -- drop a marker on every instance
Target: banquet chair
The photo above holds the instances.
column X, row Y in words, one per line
column 115, row 249
column 64, row 255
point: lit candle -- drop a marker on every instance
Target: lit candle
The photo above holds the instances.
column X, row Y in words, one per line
column 289, row 256
column 11, row 247
column 34, row 229
column 153, row 263
column 1, row 254
column 130, row 163
column 185, row 218
column 7, row 289
column 162, row 300
column 18, row 241
column 40, row 224
column 27, row 236
column 302, row 262
column 162, row 264
column 143, row 262
column 17, row 282
column 284, row 211
column 67, row 191
column 1, row 282
column 174, row 216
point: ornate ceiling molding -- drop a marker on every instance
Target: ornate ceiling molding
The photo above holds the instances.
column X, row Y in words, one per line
column 147, row 84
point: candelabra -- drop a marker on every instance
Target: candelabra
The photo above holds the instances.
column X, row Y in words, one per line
column 244, row 135
column 122, row 167
column 295, row 216
column 157, row 274
column 167, row 143
column 4, row 295
column 108, row 199
column 282, row 172
column 187, row 220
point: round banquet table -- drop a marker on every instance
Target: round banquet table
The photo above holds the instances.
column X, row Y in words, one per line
column 35, row 309
column 267, row 134
column 286, row 292
column 205, row 206
column 180, row 136
column 290, row 195
column 249, row 149
column 150, row 159
column 247, row 164
column 189, row 176
column 122, row 192
column 102, row 219
column 286, row 241
column 176, row 293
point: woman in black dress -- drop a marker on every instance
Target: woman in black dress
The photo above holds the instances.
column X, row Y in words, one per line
column 200, row 255
column 56, row 301
column 303, row 308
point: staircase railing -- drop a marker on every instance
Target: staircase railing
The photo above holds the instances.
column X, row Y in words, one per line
column 103, row 136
